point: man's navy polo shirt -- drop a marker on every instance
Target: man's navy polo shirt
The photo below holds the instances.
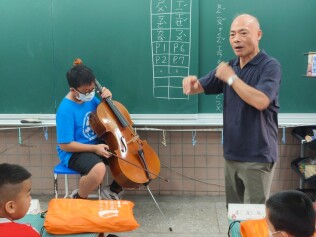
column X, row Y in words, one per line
column 250, row 135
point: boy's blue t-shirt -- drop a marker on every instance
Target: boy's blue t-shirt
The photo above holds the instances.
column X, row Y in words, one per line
column 72, row 124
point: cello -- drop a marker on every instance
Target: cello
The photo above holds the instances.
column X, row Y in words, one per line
column 133, row 161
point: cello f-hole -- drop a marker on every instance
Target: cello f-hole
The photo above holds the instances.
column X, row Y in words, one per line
column 124, row 146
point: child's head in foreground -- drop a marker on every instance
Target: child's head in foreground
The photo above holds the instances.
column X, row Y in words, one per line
column 290, row 213
column 15, row 191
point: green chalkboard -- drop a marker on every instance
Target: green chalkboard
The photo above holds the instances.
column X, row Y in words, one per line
column 288, row 33
column 26, row 61
column 139, row 49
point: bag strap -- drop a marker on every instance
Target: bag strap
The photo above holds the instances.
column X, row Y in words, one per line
column 43, row 228
column 43, row 213
column 231, row 225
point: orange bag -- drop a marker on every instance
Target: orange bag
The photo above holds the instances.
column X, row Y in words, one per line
column 254, row 228
column 73, row 216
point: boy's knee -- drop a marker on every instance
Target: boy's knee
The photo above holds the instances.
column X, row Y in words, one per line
column 99, row 171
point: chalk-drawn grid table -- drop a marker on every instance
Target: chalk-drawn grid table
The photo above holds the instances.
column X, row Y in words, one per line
column 171, row 44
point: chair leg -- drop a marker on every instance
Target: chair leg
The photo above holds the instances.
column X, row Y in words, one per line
column 66, row 186
column 99, row 191
column 107, row 178
column 55, row 186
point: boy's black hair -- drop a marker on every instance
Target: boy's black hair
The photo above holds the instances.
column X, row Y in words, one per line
column 292, row 211
column 80, row 75
column 12, row 174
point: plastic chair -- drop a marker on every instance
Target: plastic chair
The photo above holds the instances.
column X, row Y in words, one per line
column 60, row 169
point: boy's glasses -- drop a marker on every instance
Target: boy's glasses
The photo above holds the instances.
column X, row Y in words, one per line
column 85, row 93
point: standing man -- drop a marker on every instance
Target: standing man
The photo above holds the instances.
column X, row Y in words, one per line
column 250, row 84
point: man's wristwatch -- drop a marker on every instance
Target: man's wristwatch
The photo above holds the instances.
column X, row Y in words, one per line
column 231, row 80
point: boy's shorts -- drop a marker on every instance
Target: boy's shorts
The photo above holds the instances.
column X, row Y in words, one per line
column 83, row 162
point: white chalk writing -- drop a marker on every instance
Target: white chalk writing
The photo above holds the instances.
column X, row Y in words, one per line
column 171, row 46
column 220, row 23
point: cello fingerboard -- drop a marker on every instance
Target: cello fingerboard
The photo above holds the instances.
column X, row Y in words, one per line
column 115, row 110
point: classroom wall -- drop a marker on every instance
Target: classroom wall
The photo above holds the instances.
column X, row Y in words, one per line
column 191, row 170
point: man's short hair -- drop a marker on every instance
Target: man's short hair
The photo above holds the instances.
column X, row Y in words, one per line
column 292, row 211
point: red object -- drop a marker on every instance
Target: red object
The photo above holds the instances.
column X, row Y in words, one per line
column 13, row 229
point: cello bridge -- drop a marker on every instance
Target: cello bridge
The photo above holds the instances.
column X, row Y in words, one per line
column 134, row 139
